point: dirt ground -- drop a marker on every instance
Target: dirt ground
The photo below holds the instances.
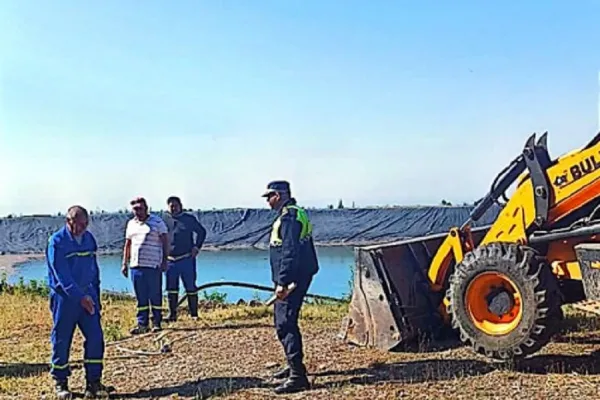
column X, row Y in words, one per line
column 230, row 354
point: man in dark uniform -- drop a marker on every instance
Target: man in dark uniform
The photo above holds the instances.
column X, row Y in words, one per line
column 293, row 260
column 182, row 258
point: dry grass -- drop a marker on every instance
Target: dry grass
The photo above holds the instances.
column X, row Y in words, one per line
column 230, row 352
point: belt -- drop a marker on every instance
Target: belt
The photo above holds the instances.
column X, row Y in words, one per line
column 177, row 258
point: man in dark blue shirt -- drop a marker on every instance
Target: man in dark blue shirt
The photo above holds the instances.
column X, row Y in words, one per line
column 182, row 257
column 293, row 260
column 74, row 281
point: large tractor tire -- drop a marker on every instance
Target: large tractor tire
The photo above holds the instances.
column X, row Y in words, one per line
column 504, row 301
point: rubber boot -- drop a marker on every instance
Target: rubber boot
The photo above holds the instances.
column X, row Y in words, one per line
column 296, row 382
column 96, row 390
column 139, row 330
column 173, row 299
column 62, row 391
column 282, row 373
column 192, row 300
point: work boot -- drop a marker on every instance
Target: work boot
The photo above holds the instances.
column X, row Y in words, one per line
column 96, row 390
column 156, row 327
column 139, row 329
column 172, row 299
column 192, row 300
column 62, row 391
column 296, row 382
column 282, row 373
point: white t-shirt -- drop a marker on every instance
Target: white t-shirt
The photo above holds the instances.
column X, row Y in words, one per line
column 146, row 245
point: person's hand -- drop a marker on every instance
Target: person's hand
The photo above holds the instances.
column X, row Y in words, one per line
column 195, row 252
column 164, row 266
column 88, row 304
column 124, row 270
column 281, row 292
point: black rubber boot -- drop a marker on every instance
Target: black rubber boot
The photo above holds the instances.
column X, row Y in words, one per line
column 96, row 390
column 296, row 382
column 139, row 330
column 173, row 299
column 192, row 300
column 282, row 373
column 61, row 389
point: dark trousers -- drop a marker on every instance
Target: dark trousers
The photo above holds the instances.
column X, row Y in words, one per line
column 147, row 284
column 184, row 269
column 66, row 315
column 286, row 316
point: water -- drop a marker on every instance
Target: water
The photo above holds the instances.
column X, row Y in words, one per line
column 250, row 266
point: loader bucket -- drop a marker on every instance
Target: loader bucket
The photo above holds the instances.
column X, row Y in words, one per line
column 588, row 255
column 392, row 301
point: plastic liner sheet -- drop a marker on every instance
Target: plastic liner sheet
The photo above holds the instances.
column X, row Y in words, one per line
column 248, row 228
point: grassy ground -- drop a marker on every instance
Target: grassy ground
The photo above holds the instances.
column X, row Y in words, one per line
column 230, row 352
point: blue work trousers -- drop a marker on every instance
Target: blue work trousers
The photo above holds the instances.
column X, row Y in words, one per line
column 147, row 285
column 66, row 315
column 184, row 269
column 286, row 313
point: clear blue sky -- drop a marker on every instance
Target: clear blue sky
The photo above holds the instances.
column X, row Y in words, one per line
column 375, row 102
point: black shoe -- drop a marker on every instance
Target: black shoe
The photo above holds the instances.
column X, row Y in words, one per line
column 171, row 318
column 282, row 373
column 293, row 384
column 96, row 390
column 138, row 330
column 156, row 328
column 62, row 390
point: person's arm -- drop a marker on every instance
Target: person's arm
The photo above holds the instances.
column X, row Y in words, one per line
column 126, row 252
column 200, row 233
column 166, row 245
column 290, row 237
column 59, row 266
column 96, row 267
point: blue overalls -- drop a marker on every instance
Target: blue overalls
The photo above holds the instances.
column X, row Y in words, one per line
column 293, row 259
column 72, row 274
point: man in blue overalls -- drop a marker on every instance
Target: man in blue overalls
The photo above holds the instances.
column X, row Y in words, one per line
column 293, row 259
column 182, row 256
column 74, row 281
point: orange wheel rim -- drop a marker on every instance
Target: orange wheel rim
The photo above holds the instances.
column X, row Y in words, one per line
column 482, row 286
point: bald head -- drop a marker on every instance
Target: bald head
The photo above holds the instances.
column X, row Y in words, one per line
column 77, row 220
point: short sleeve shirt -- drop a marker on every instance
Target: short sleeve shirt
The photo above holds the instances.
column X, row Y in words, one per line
column 146, row 245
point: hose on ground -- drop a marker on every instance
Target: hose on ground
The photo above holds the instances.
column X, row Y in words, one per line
column 253, row 286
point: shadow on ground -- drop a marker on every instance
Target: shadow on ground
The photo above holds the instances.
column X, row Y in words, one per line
column 560, row 364
column 408, row 372
column 443, row 370
column 22, row 370
column 202, row 389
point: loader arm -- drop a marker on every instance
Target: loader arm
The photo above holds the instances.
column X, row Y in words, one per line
column 459, row 240
column 549, row 194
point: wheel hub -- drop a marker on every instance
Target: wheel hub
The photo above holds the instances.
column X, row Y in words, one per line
column 494, row 303
column 500, row 301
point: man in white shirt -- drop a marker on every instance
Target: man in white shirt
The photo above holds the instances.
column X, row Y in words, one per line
column 146, row 251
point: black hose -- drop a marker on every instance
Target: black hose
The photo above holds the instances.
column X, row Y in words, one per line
column 253, row 286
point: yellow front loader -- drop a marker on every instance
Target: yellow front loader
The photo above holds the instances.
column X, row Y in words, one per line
column 500, row 287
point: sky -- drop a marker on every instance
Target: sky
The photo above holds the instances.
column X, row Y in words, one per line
column 371, row 102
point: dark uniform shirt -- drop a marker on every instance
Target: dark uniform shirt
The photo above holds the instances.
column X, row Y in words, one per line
column 292, row 252
column 181, row 233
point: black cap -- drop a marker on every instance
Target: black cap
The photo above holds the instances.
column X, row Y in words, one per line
column 277, row 187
